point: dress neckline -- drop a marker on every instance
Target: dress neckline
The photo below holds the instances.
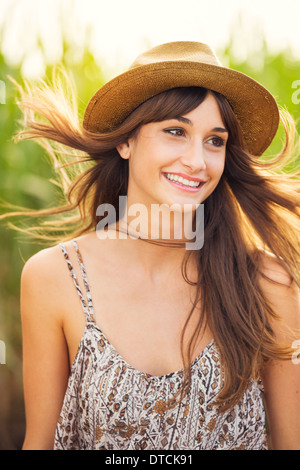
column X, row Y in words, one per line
column 93, row 325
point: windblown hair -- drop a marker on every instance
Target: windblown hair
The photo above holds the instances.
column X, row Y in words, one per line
column 253, row 210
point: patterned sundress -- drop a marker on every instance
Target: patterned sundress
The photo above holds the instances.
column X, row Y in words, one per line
column 109, row 405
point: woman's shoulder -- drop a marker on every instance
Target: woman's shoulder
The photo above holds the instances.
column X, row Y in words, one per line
column 47, row 267
column 44, row 277
column 42, row 286
column 272, row 269
column 44, row 264
column 49, row 261
column 282, row 293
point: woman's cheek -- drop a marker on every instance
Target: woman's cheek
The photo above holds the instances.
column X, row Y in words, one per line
column 215, row 164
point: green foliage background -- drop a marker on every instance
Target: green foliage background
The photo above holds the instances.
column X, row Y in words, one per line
column 25, row 172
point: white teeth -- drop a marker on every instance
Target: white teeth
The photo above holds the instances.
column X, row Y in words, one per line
column 181, row 180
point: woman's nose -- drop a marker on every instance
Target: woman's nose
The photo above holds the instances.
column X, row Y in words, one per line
column 193, row 156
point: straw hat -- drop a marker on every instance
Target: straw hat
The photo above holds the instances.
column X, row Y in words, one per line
column 184, row 64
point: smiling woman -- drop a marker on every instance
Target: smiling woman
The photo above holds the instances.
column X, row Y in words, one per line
column 190, row 155
column 175, row 349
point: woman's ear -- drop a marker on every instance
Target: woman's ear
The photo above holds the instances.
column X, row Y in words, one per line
column 124, row 150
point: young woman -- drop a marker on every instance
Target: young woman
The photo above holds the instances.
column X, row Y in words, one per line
column 132, row 340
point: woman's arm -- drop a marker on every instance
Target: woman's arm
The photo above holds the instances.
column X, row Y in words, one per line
column 45, row 354
column 281, row 379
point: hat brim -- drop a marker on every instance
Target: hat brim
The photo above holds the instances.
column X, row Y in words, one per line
column 256, row 109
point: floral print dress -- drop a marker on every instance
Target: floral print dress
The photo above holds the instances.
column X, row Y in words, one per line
column 109, row 405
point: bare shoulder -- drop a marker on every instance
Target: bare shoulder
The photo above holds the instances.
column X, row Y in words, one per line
column 42, row 261
column 48, row 265
column 43, row 267
column 273, row 272
column 42, row 282
column 282, row 293
column 46, row 281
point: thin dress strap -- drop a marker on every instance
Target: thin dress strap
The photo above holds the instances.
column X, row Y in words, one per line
column 87, row 307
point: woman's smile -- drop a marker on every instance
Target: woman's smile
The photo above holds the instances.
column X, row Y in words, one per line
column 184, row 183
column 179, row 160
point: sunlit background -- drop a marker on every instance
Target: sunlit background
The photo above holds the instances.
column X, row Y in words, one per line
column 116, row 31
column 96, row 40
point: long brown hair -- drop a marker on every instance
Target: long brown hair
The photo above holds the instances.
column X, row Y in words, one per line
column 253, row 210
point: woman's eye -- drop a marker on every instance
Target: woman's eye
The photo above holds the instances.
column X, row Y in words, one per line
column 217, row 141
column 178, row 132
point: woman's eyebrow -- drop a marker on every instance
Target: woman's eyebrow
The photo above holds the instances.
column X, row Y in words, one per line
column 184, row 120
column 189, row 122
column 219, row 129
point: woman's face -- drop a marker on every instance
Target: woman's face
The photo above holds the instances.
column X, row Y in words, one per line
column 191, row 147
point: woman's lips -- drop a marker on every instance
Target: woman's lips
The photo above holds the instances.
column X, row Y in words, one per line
column 183, row 187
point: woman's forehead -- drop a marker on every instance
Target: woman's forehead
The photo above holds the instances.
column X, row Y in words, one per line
column 206, row 114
